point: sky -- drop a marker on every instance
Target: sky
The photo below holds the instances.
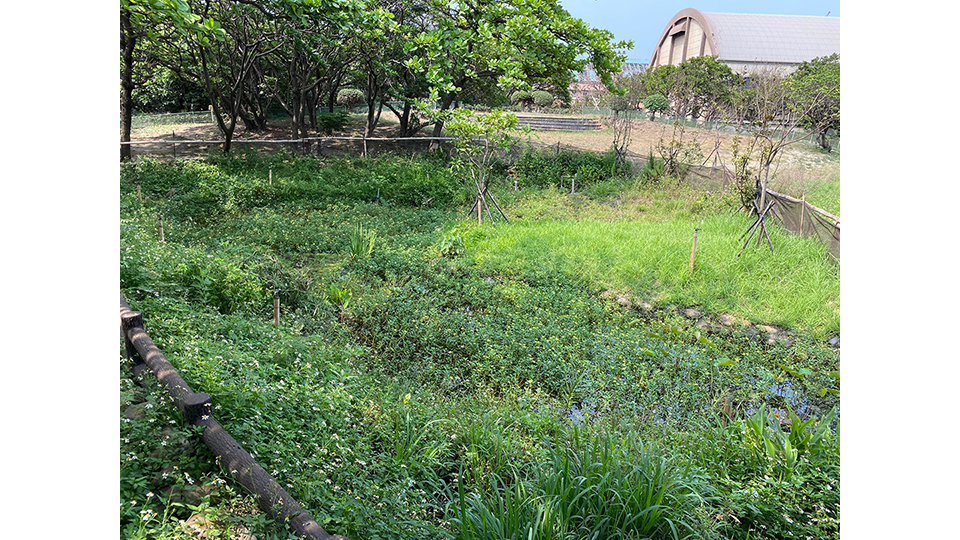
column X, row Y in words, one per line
column 643, row 21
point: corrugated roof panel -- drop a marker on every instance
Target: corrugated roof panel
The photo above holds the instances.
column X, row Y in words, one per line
column 747, row 37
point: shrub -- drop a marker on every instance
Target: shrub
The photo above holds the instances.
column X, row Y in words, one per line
column 542, row 98
column 522, row 98
column 330, row 122
column 543, row 169
column 653, row 170
column 349, row 97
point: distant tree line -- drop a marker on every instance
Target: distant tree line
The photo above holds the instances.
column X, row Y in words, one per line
column 704, row 88
column 245, row 58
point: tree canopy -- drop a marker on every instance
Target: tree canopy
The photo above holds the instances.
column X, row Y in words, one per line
column 815, row 92
column 249, row 55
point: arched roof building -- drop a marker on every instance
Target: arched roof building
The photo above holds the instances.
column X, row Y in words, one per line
column 747, row 42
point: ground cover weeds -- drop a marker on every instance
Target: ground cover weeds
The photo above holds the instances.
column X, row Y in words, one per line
column 474, row 381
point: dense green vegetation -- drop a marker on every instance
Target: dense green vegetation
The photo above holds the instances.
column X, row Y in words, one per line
column 432, row 378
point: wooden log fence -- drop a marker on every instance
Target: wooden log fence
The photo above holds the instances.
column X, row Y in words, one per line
column 197, row 409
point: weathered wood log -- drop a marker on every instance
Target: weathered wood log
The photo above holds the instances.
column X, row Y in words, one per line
column 271, row 498
column 129, row 320
column 198, row 410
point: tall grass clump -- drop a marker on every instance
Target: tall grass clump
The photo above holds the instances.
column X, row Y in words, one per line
column 600, row 486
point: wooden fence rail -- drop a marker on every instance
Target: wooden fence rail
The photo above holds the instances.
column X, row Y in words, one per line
column 197, row 410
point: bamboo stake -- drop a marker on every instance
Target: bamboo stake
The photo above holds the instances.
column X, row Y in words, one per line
column 276, row 307
column 489, row 213
column 479, row 202
column 693, row 250
column 494, row 199
column 754, row 227
column 803, row 203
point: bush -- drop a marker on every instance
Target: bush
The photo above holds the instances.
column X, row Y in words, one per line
column 349, row 97
column 522, row 98
column 541, row 169
column 330, row 122
column 542, row 98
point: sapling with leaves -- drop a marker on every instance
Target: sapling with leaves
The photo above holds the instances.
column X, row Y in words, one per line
column 479, row 137
column 622, row 126
column 770, row 108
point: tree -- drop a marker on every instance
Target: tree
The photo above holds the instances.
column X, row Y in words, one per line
column 656, row 103
column 349, row 97
column 478, row 138
column 139, row 20
column 703, row 87
column 517, row 43
column 542, row 98
column 523, row 98
column 815, row 90
column 660, row 80
column 772, row 117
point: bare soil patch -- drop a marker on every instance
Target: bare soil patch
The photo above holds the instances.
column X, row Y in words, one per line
column 715, row 146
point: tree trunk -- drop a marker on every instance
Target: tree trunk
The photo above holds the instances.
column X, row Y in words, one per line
column 444, row 105
column 127, row 41
column 823, row 140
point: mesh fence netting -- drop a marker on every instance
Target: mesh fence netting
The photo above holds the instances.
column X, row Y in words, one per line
column 801, row 217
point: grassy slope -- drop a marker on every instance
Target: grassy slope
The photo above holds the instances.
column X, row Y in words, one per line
column 639, row 244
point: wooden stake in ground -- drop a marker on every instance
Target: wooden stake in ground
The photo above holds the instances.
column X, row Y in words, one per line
column 693, row 250
column 803, row 203
column 160, row 224
column 270, row 177
column 276, row 307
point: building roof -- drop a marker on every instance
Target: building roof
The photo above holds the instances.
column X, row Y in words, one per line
column 746, row 38
column 785, row 39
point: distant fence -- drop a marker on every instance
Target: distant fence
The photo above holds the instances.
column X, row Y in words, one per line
column 206, row 117
column 195, row 117
column 197, row 409
column 177, row 148
column 710, row 125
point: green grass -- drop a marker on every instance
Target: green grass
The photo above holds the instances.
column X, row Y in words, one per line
column 796, row 286
column 456, row 381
